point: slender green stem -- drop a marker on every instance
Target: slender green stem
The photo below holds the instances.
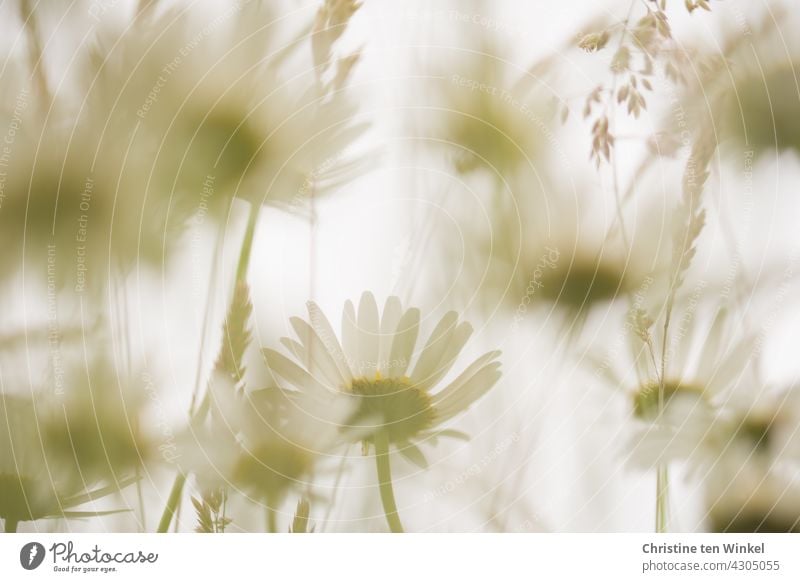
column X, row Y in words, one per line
column 247, row 244
column 241, row 274
column 662, row 476
column 172, row 503
column 212, row 278
column 662, row 499
column 140, row 501
column 11, row 525
column 613, row 114
column 272, row 520
column 385, row 482
column 221, row 521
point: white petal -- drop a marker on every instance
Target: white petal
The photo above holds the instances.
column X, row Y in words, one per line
column 709, row 354
column 435, row 349
column 325, row 332
column 322, row 364
column 732, row 367
column 391, row 316
column 350, row 336
column 464, row 377
column 403, row 344
column 468, row 392
column 681, row 435
column 292, row 373
column 642, row 359
column 681, row 347
column 455, row 345
column 222, row 391
column 297, row 350
column 413, row 454
column 367, row 335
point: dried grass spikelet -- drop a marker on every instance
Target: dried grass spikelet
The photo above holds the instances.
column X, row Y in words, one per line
column 300, row 523
column 236, row 334
column 210, row 510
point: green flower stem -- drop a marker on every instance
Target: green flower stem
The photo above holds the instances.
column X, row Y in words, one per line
column 272, row 520
column 247, row 245
column 241, row 275
column 10, row 525
column 662, row 500
column 385, row 481
column 172, row 503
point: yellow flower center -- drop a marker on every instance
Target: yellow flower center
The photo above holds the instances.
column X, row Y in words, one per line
column 583, row 282
column 764, row 109
column 392, row 405
column 646, row 400
column 271, row 468
column 756, row 431
column 224, row 145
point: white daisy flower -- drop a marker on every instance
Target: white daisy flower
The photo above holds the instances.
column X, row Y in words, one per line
column 26, row 491
column 97, row 432
column 756, row 448
column 703, row 369
column 742, row 498
column 488, row 115
column 75, row 204
column 263, row 443
column 228, row 112
column 394, row 403
column 33, row 483
column 749, row 92
column 675, row 419
column 543, row 250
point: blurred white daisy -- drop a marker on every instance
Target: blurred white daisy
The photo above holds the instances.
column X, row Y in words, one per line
column 262, row 444
column 675, row 419
column 742, row 498
column 750, row 480
column 34, row 484
column 544, row 250
column 394, row 403
column 749, row 92
column 97, row 431
column 703, row 368
column 485, row 111
column 76, row 205
column 237, row 109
